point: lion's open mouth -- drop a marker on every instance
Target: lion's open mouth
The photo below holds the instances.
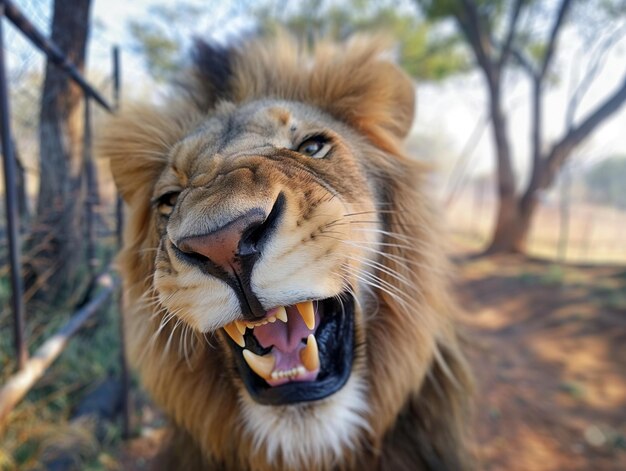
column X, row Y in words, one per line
column 296, row 353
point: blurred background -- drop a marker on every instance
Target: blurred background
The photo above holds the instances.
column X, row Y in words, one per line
column 521, row 113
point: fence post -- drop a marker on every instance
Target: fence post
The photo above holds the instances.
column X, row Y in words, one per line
column 564, row 215
column 92, row 192
column 12, row 214
column 119, row 226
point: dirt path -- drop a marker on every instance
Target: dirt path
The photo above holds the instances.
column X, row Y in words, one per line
column 550, row 357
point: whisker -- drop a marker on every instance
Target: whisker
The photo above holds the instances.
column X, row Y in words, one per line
column 396, row 258
column 391, row 290
column 169, row 341
column 379, row 266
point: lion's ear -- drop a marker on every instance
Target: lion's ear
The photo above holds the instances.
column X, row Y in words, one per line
column 137, row 143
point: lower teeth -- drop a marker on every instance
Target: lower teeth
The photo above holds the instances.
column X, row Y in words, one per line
column 292, row 373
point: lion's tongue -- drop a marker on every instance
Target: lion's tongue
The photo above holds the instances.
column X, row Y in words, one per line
column 284, row 336
column 286, row 340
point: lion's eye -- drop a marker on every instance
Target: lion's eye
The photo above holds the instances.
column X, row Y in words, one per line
column 166, row 202
column 316, row 147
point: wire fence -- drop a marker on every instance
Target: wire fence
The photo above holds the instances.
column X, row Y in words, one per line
column 103, row 284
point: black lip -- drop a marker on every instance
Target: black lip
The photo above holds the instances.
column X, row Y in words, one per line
column 335, row 337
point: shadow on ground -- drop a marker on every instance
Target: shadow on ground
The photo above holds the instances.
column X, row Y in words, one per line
column 549, row 353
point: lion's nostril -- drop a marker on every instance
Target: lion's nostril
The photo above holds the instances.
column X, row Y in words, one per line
column 253, row 239
column 192, row 255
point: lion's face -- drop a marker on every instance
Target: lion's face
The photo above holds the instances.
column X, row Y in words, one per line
column 266, row 226
column 285, row 300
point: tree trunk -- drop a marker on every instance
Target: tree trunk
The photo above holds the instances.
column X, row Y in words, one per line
column 22, row 194
column 57, row 231
column 510, row 229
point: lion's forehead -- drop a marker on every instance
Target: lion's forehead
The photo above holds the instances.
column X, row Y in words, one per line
column 251, row 128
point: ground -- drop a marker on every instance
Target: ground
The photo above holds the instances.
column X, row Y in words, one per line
column 549, row 354
column 548, row 348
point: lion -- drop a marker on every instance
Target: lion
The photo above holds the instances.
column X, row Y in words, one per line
column 287, row 300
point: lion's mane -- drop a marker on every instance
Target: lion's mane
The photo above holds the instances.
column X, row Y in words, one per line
column 414, row 382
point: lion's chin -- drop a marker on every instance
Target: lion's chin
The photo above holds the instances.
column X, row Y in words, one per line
column 298, row 353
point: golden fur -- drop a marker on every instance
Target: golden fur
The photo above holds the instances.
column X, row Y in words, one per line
column 405, row 403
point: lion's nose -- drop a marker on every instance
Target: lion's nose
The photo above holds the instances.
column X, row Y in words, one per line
column 225, row 245
column 240, row 239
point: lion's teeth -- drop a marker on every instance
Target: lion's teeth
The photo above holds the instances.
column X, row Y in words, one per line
column 292, row 373
column 271, row 319
column 241, row 327
column 281, row 314
column 252, row 325
column 234, row 333
column 309, row 356
column 261, row 365
column 308, row 314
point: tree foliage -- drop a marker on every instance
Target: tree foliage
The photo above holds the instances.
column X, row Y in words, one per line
column 159, row 39
column 424, row 51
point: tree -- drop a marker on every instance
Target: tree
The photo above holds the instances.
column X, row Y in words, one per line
column 500, row 41
column 57, row 231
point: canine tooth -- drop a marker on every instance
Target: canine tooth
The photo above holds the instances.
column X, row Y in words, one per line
column 308, row 315
column 261, row 365
column 281, row 314
column 234, row 333
column 241, row 327
column 309, row 356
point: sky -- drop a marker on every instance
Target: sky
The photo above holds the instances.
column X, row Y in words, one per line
column 446, row 113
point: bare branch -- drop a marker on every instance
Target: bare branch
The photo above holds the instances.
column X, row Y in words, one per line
column 598, row 59
column 477, row 35
column 511, row 32
column 554, row 34
column 524, row 62
column 562, row 149
column 539, row 165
